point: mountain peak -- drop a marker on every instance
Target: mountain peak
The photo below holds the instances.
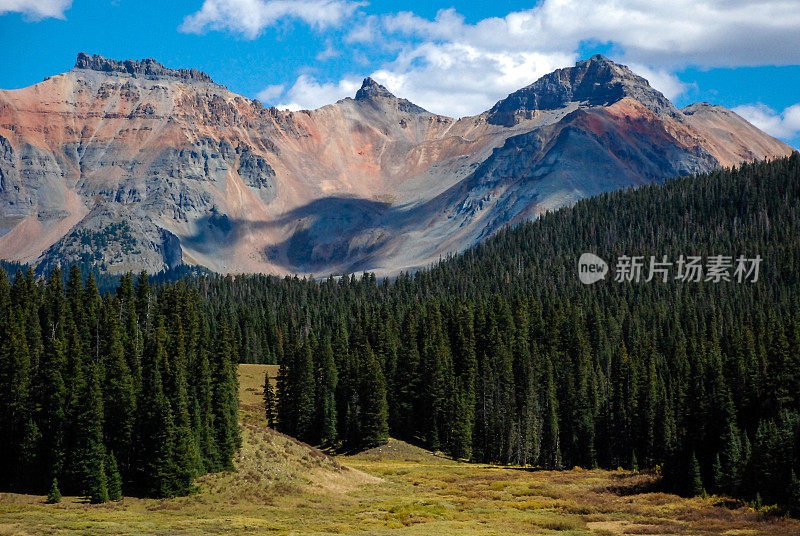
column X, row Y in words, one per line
column 597, row 81
column 147, row 67
column 370, row 89
column 599, row 58
column 377, row 95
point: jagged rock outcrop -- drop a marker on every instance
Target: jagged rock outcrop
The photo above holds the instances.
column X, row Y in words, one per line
column 377, row 95
column 130, row 165
column 146, row 67
column 593, row 82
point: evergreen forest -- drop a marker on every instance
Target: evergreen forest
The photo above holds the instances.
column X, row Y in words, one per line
column 499, row 354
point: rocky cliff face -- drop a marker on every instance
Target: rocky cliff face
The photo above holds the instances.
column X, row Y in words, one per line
column 147, row 67
column 130, row 165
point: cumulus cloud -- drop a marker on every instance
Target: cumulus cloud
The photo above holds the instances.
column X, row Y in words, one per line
column 330, row 52
column 785, row 125
column 367, row 31
column 308, row 93
column 250, row 17
column 701, row 32
column 453, row 67
column 270, row 94
column 459, row 79
column 666, row 82
column 36, row 9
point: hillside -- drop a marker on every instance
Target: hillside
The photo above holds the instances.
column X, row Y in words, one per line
column 501, row 354
column 129, row 165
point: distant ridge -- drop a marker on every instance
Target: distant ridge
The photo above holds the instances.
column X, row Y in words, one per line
column 130, row 165
column 145, row 67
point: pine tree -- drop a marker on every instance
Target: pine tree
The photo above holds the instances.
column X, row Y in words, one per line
column 303, row 386
column 92, row 446
column 225, row 402
column 462, row 422
column 203, row 399
column 119, row 388
column 404, row 419
column 286, row 394
column 269, row 401
column 551, row 445
column 437, row 380
column 185, row 453
column 155, row 427
column 374, row 425
column 694, row 480
column 326, row 393
column 54, row 495
column 144, row 302
column 132, row 341
column 15, row 386
column 114, row 478
column 49, row 391
column 460, row 446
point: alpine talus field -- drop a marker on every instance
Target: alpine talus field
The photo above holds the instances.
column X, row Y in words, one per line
column 282, row 486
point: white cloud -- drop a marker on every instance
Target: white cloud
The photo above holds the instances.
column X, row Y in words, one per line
column 330, row 52
column 250, row 17
column 36, row 9
column 701, row 32
column 459, row 79
column 452, row 67
column 365, row 32
column 307, row 93
column 270, row 94
column 664, row 81
column 785, row 125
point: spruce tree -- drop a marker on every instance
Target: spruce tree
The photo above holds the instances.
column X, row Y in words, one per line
column 694, row 479
column 185, row 453
column 89, row 454
column 374, row 425
column 225, row 401
column 405, row 420
column 286, row 393
column 15, row 386
column 155, row 427
column 114, row 477
column 119, row 388
column 551, row 441
column 204, row 400
column 49, row 391
column 303, row 385
column 326, row 393
column 269, row 401
column 54, row 495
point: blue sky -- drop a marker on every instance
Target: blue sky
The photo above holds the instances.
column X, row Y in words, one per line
column 455, row 58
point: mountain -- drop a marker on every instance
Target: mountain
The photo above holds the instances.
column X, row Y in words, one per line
column 128, row 165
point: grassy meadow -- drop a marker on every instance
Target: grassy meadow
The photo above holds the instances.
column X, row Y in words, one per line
column 284, row 487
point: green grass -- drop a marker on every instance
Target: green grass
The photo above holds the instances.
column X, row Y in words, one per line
column 284, row 487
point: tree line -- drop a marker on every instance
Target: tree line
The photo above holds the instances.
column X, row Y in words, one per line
column 132, row 392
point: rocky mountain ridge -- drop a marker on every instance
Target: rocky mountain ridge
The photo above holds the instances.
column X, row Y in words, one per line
column 146, row 67
column 130, row 165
